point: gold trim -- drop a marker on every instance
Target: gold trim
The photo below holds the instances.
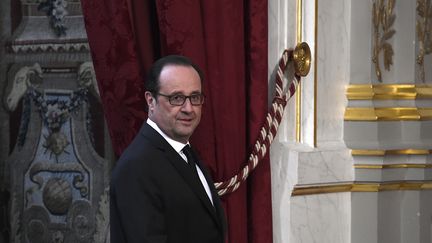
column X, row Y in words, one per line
column 299, row 20
column 361, row 187
column 371, row 152
column 316, row 74
column 388, row 92
column 299, row 87
column 388, row 114
column 298, row 112
column 310, row 190
column 365, row 187
column 393, row 166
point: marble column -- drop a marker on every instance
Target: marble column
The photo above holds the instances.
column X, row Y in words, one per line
column 320, row 156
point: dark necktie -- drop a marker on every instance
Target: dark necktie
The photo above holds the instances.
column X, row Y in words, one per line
column 191, row 159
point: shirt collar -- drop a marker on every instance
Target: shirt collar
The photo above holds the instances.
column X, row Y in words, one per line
column 177, row 146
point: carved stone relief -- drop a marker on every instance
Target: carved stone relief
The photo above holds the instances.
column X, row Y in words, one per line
column 58, row 181
column 56, row 178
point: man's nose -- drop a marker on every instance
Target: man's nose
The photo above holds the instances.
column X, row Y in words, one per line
column 187, row 106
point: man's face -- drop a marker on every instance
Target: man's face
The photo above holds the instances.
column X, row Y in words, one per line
column 178, row 122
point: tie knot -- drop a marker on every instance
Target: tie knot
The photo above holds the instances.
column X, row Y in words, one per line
column 187, row 150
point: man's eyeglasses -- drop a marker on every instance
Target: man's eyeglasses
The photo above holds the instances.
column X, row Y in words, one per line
column 179, row 99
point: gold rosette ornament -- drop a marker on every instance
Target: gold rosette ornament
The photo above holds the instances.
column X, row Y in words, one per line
column 302, row 59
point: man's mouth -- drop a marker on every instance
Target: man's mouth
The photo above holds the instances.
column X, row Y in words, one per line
column 186, row 120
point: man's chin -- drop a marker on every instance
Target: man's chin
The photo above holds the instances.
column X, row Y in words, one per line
column 185, row 133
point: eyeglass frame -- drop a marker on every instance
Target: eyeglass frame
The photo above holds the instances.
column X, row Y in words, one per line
column 201, row 95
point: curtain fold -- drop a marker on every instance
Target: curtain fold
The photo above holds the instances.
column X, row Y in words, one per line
column 228, row 40
column 259, row 184
column 117, row 66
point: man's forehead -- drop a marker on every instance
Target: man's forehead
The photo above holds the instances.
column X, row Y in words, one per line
column 176, row 68
column 178, row 73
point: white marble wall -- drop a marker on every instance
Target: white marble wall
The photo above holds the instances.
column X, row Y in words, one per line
column 313, row 218
column 391, row 216
column 388, row 216
column 283, row 162
column 344, row 57
column 332, row 69
column 321, row 218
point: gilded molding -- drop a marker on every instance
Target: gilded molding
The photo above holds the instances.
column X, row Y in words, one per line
column 316, row 74
column 361, row 187
column 424, row 33
column 388, row 92
column 298, row 95
column 383, row 19
column 299, row 21
column 377, row 152
column 387, row 114
column 320, row 189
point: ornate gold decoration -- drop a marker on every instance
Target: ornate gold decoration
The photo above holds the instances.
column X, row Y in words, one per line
column 383, row 18
column 361, row 187
column 377, row 152
column 388, row 92
column 424, row 33
column 388, row 114
column 302, row 59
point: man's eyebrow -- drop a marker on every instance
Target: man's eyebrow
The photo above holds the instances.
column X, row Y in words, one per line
column 181, row 93
column 176, row 93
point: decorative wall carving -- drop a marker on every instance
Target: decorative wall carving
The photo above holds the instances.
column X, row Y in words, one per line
column 58, row 182
column 56, row 12
column 383, row 19
column 424, row 33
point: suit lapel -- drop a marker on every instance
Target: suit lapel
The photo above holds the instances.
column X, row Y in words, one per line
column 182, row 168
column 216, row 201
column 193, row 181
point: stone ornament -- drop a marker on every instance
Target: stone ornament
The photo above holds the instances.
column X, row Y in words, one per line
column 383, row 19
column 23, row 79
column 57, row 196
column 424, row 33
column 58, row 180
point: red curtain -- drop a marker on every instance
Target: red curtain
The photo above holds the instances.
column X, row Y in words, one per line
column 228, row 40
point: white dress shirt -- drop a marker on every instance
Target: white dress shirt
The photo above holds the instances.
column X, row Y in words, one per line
column 178, row 146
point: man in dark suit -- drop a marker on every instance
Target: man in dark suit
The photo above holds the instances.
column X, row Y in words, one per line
column 160, row 191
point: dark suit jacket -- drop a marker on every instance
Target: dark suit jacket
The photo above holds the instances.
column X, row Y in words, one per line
column 156, row 198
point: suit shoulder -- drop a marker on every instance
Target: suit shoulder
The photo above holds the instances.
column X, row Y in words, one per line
column 136, row 157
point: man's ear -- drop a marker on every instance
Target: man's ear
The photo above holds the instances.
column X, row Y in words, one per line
column 150, row 100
